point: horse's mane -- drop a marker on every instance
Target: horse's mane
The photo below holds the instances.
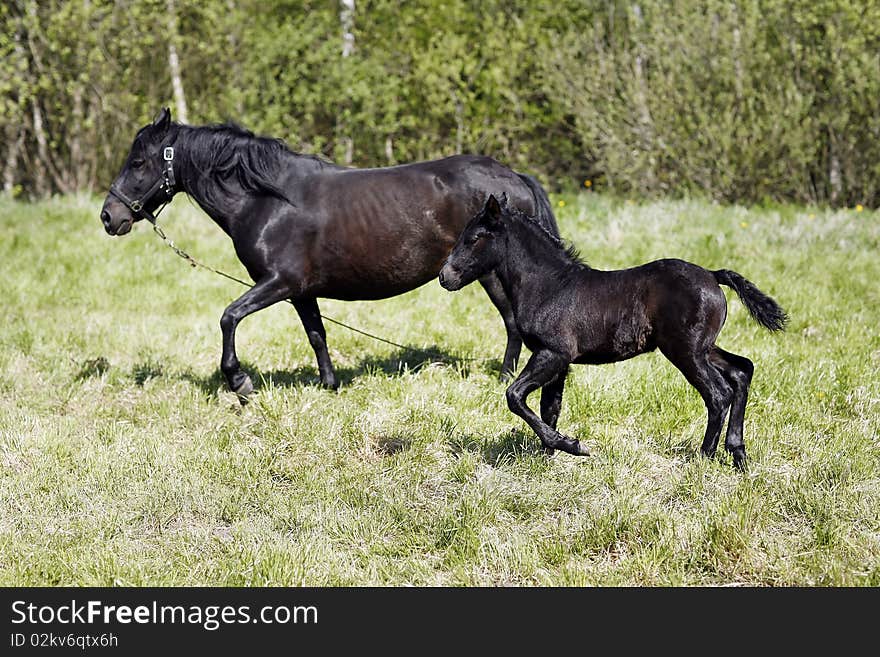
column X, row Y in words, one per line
column 226, row 159
column 571, row 255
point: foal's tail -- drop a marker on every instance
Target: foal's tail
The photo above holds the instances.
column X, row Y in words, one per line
column 543, row 209
column 765, row 310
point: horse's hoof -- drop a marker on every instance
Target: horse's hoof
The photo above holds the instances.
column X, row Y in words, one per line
column 244, row 390
column 580, row 449
column 330, row 385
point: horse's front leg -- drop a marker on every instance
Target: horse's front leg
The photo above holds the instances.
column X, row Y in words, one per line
column 263, row 294
column 310, row 316
column 543, row 368
column 499, row 299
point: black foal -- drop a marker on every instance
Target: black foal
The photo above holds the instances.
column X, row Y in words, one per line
column 569, row 313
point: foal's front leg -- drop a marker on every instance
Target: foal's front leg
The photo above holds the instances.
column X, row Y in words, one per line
column 262, row 295
column 543, row 368
column 551, row 402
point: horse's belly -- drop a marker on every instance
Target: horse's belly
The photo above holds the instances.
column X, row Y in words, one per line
column 379, row 271
column 376, row 286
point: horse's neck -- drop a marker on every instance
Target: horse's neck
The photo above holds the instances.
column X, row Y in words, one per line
column 532, row 267
column 191, row 166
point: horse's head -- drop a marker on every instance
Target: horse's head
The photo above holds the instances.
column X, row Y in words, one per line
column 146, row 180
column 478, row 249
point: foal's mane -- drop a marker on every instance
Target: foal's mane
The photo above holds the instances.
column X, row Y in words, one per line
column 569, row 252
column 232, row 160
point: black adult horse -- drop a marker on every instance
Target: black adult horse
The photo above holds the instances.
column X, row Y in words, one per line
column 568, row 313
column 305, row 228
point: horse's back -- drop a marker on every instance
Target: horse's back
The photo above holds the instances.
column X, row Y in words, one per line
column 375, row 233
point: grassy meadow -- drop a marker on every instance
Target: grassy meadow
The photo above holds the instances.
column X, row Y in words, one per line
column 125, row 461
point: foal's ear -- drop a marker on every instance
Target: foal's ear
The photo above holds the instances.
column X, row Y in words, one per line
column 492, row 212
column 163, row 119
column 492, row 209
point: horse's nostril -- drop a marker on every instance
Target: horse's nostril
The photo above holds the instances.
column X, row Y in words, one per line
column 105, row 217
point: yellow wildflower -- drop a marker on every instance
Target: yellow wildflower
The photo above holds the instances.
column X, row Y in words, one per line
column 588, row 183
column 859, row 207
column 561, row 204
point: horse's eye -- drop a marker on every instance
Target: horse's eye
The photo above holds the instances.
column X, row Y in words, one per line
column 137, row 164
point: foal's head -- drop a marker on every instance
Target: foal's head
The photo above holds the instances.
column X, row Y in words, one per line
column 478, row 249
column 146, row 180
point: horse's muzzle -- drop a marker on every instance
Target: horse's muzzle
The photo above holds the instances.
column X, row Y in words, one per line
column 116, row 220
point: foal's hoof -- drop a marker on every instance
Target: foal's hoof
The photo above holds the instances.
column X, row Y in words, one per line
column 580, row 449
column 739, row 459
column 244, row 389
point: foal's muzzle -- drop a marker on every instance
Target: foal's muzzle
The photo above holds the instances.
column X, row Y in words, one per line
column 449, row 278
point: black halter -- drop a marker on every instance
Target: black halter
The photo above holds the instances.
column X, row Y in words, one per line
column 165, row 184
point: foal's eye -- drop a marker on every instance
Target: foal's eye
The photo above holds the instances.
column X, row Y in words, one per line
column 137, row 164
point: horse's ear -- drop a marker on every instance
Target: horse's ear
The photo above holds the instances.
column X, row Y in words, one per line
column 163, row 119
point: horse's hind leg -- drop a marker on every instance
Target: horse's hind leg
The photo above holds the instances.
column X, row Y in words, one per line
column 551, row 402
column 496, row 294
column 712, row 386
column 307, row 309
column 738, row 371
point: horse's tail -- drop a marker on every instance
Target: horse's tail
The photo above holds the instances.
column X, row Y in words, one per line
column 543, row 209
column 765, row 310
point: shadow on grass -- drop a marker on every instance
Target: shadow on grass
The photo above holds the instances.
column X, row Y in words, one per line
column 94, row 367
column 410, row 359
column 391, row 444
column 505, row 447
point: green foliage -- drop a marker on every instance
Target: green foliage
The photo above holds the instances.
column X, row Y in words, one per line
column 738, row 100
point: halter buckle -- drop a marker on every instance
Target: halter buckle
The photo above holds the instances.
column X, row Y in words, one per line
column 136, row 206
column 168, row 153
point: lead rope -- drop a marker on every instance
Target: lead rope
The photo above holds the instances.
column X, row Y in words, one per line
column 196, row 264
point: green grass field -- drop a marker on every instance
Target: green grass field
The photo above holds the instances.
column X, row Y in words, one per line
column 124, row 460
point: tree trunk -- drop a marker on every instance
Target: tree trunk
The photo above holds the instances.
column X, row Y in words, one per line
column 645, row 127
column 174, row 64
column 41, row 185
column 78, row 169
column 389, row 149
column 835, row 179
column 14, row 140
column 346, row 18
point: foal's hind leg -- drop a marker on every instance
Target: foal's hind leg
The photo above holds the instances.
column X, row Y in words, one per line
column 308, row 311
column 712, row 386
column 738, row 371
column 543, row 367
column 551, row 402
column 498, row 297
